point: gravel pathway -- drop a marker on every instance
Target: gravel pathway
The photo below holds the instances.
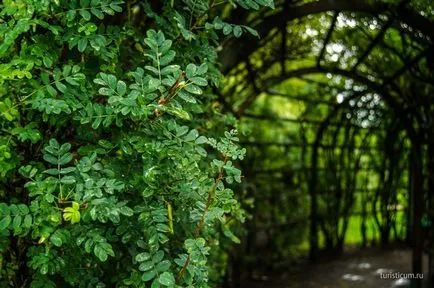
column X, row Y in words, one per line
column 361, row 269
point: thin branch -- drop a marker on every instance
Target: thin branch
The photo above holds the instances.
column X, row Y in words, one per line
column 202, row 220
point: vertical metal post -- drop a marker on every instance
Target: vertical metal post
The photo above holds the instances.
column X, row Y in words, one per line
column 418, row 207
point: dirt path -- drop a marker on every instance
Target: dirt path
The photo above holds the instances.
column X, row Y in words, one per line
column 361, row 269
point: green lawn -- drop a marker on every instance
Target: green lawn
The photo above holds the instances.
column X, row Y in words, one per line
column 354, row 235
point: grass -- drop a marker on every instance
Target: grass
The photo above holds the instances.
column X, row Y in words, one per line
column 353, row 235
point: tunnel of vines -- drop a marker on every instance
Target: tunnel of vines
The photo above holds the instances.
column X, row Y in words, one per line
column 337, row 97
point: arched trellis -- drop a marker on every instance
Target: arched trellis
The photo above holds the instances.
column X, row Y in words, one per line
column 407, row 115
column 416, row 140
column 237, row 51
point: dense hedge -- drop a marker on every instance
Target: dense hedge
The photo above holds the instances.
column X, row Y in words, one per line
column 113, row 162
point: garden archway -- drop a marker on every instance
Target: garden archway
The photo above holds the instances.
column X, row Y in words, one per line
column 381, row 48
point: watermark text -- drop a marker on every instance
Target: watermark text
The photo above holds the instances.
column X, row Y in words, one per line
column 397, row 275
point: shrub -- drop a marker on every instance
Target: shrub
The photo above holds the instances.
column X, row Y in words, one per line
column 113, row 165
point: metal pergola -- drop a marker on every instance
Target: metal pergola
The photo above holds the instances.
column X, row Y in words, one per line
column 256, row 81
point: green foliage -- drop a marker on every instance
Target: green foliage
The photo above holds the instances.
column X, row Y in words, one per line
column 254, row 4
column 114, row 163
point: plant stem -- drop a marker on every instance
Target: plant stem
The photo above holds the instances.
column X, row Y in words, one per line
column 211, row 192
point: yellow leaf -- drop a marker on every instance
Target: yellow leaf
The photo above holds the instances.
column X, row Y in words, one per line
column 170, row 216
column 75, row 206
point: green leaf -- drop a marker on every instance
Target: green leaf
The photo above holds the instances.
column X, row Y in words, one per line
column 65, row 159
column 53, row 144
column 67, row 180
column 155, row 284
column 82, row 44
column 143, row 257
column 147, row 192
column 238, row 31
column 251, row 31
column 201, row 140
column 186, row 97
column 190, row 71
column 197, row 249
column 127, row 211
column 27, row 221
column 17, row 222
column 158, row 256
column 181, row 131
column 227, row 29
column 121, row 88
column 56, row 240
column 100, row 252
column 71, row 81
column 116, row 7
column 44, row 269
column 148, row 275
column 199, row 81
column 4, row 223
column 50, row 159
column 171, row 69
column 145, row 266
column 67, row 170
column 88, row 245
column 162, row 227
column 97, row 13
column 4, row 209
column 51, row 91
column 105, row 91
column 28, row 171
column 23, row 209
column 191, row 136
column 163, row 266
column 154, row 83
column 167, row 279
column 203, row 68
column 96, row 123
column 193, row 89
column 60, row 86
column 152, row 69
column 165, row 46
column 52, row 171
column 85, row 14
column 178, row 112
column 167, row 58
column 228, row 233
